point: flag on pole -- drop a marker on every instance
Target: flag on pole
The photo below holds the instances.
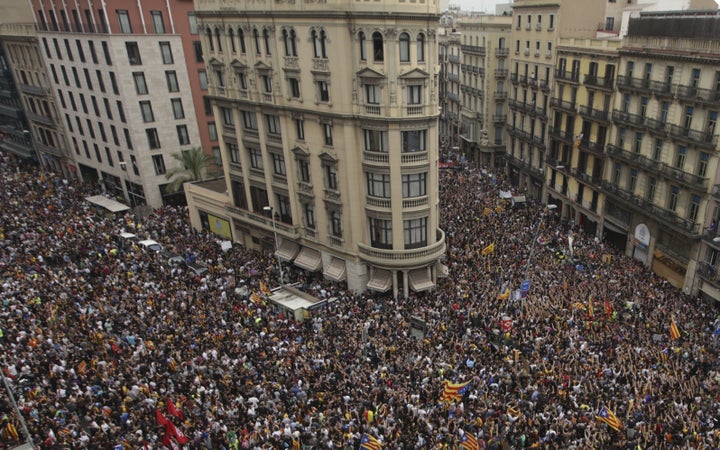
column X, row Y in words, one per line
column 607, row 416
column 453, row 392
column 674, row 331
column 489, row 249
column 469, row 442
column 368, row 442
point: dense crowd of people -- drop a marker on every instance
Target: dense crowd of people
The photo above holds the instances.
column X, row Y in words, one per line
column 105, row 345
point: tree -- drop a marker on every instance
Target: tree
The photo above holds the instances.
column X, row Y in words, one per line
column 194, row 165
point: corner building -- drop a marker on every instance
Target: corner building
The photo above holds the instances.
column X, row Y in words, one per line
column 328, row 118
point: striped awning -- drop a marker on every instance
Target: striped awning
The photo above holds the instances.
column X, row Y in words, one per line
column 381, row 280
column 288, row 250
column 420, row 280
column 309, row 259
column 336, row 270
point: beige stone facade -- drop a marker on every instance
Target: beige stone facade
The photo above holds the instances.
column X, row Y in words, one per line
column 328, row 117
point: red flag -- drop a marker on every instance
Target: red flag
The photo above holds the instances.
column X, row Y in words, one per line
column 172, row 430
column 167, row 442
column 172, row 410
column 161, row 420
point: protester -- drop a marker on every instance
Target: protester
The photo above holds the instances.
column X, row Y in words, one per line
column 107, row 346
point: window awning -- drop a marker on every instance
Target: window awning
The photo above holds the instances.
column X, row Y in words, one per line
column 420, row 280
column 107, row 203
column 309, row 259
column 288, row 250
column 381, row 280
column 335, row 270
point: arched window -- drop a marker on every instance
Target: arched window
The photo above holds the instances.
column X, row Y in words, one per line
column 404, row 47
column 421, row 47
column 241, row 38
column 361, row 41
column 231, row 36
column 293, row 37
column 208, row 33
column 266, row 39
column 317, row 51
column 378, row 52
column 323, row 43
column 289, row 42
column 219, row 42
column 256, row 38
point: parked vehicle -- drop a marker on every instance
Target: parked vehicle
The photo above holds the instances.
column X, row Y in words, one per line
column 150, row 245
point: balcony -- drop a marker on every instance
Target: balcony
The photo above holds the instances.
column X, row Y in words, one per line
column 502, row 52
column 589, row 179
column 625, row 83
column 625, row 118
column 376, row 158
column 596, row 148
column 474, row 49
column 45, row 120
column 695, row 94
column 709, row 273
column 695, row 137
column 687, row 179
column 598, row 82
column 514, row 78
column 414, row 110
column 564, row 75
column 415, row 202
column 321, row 64
column 500, row 95
column 414, row 158
column 372, row 110
column 499, row 118
column 595, row 114
column 661, row 88
column 562, row 135
column 453, row 77
column 501, row 73
column 479, row 116
column 523, row 80
column 454, row 59
column 404, row 258
column 656, row 127
column 544, row 86
column 34, row 90
column 568, row 107
column 377, row 202
column 291, row 62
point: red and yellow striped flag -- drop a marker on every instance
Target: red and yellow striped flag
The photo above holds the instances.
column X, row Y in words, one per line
column 674, row 330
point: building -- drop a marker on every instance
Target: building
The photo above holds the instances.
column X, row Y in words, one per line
column 119, row 72
column 663, row 151
column 449, row 90
column 483, row 88
column 329, row 129
column 29, row 120
column 581, row 122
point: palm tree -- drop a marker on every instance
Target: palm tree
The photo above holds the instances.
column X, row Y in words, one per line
column 194, row 165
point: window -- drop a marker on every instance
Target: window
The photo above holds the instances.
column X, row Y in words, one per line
column 266, row 40
column 673, row 198
column 128, row 141
column 680, row 157
column 361, row 42
column 172, row 81
column 657, row 150
column 300, row 129
column 414, row 93
column 378, row 51
column 197, row 48
column 192, row 21
column 76, row 77
column 231, row 38
column 220, row 77
column 114, row 84
column 217, row 155
column 637, row 147
column 309, row 215
column 650, row 192
column 80, row 51
column 233, row 153
column 182, row 133
column 249, row 120
column 267, row 83
column 178, row 111
column 319, row 43
column 121, row 111
column 116, row 139
column 643, row 106
column 153, row 138
column 166, row 52
column 106, row 53
column 633, row 180
column 413, row 141
column 703, row 164
column 147, row 112
column 294, row 87
column 159, row 164
column 108, row 155
column 241, row 40
column 664, row 108
column 327, row 132
column 278, row 164
column 552, row 22
column 133, row 53
column 375, row 141
column 415, row 232
column 404, row 47
column 414, row 185
column 218, row 38
column 97, row 153
column 378, row 184
column 227, row 117
column 323, row 92
column 421, row 47
column 124, row 21
column 202, row 75
column 304, row 170
column 238, row 193
column 242, row 80
column 331, row 181
column 101, row 82
column 256, row 39
column 694, row 208
column 157, row 21
column 372, row 94
column 283, row 206
column 209, row 36
column 336, row 224
column 380, row 233
column 617, row 173
column 140, row 85
column 609, row 23
column 273, row 124
column 212, row 131
column 256, row 160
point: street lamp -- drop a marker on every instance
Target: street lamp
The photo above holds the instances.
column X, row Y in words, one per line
column 526, row 281
column 277, row 247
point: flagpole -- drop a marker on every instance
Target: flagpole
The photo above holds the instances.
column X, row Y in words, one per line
column 532, row 249
column 21, row 419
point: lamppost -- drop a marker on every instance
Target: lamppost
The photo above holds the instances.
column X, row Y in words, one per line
column 277, row 247
column 526, row 282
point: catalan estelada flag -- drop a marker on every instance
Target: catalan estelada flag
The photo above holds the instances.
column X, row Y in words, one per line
column 264, row 289
column 504, row 293
column 368, row 442
column 489, row 249
column 469, row 442
column 453, row 392
column 607, row 416
column 674, row 331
